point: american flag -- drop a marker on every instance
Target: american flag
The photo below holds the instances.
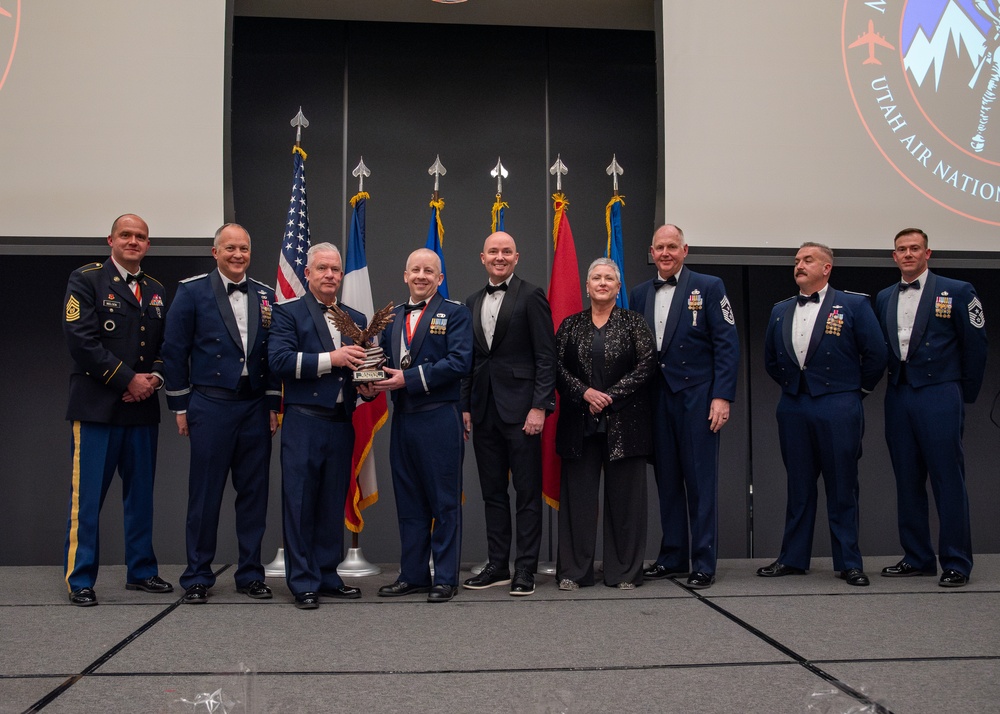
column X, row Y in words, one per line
column 295, row 244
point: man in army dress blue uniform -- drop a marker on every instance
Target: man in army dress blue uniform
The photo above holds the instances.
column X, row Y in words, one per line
column 113, row 325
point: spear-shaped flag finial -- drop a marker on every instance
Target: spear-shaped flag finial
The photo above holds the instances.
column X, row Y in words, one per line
column 299, row 121
column 558, row 169
column 614, row 170
column 361, row 171
column 437, row 170
column 499, row 173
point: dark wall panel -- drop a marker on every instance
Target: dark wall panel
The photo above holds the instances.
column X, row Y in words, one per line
column 404, row 93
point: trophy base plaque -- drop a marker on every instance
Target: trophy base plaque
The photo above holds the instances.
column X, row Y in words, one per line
column 369, row 375
column 371, row 369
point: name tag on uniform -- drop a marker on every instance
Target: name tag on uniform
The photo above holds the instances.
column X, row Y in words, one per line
column 112, row 303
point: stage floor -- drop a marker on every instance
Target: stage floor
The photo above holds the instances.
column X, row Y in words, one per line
column 747, row 644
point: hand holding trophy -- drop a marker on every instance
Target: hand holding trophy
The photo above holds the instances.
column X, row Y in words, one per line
column 371, row 369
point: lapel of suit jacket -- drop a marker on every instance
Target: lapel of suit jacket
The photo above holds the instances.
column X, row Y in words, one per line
column 819, row 329
column 677, row 305
column 649, row 310
column 253, row 315
column 396, row 335
column 120, row 286
column 319, row 322
column 425, row 320
column 891, row 318
column 506, row 309
column 226, row 307
column 477, row 321
column 788, row 322
column 924, row 309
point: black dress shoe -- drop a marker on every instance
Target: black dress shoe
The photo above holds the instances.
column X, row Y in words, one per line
column 196, row 594
column 490, row 576
column 258, row 590
column 523, row 582
column 700, row 581
column 155, row 584
column 953, row 579
column 442, row 593
column 83, row 597
column 399, row 588
column 307, row 601
column 903, row 569
column 854, row 576
column 777, row 570
column 344, row 592
column 658, row 572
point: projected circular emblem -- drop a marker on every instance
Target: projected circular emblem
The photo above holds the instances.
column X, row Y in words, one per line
column 10, row 23
column 924, row 77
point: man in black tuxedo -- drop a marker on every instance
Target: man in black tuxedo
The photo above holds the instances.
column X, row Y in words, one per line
column 511, row 389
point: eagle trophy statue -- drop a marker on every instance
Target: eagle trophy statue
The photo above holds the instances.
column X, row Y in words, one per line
column 371, row 369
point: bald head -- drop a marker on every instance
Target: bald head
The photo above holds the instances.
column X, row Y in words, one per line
column 499, row 256
column 423, row 274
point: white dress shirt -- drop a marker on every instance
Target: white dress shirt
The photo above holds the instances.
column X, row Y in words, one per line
column 803, row 322
column 906, row 313
column 661, row 308
column 491, row 308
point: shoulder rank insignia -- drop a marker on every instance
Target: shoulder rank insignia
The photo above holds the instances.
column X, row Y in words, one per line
column 727, row 310
column 72, row 309
column 977, row 318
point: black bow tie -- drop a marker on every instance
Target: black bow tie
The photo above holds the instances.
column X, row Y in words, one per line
column 657, row 283
column 903, row 287
column 324, row 308
column 490, row 288
column 417, row 306
column 137, row 278
column 803, row 299
column 233, row 287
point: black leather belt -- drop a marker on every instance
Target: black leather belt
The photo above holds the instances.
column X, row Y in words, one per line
column 338, row 414
column 242, row 393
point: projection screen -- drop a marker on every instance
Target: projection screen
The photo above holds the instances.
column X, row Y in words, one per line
column 839, row 121
column 110, row 107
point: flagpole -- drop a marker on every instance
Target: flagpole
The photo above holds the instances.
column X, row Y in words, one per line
column 276, row 568
column 499, row 173
column 496, row 224
column 355, row 564
column 613, row 218
column 435, row 233
column 558, row 169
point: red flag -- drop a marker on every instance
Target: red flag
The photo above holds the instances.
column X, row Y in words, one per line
column 565, row 299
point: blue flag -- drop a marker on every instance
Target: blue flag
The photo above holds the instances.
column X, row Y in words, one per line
column 616, row 250
column 435, row 239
